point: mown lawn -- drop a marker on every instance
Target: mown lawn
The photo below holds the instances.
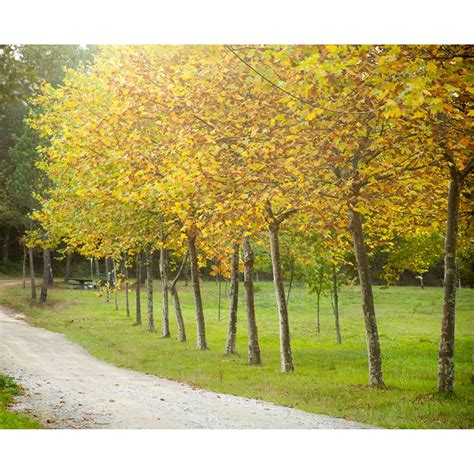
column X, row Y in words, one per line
column 329, row 378
column 8, row 419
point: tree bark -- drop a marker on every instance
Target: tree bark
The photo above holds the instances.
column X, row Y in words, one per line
column 138, row 309
column 286, row 358
column 234, row 302
column 335, row 298
column 176, row 302
column 67, row 271
column 165, row 332
column 149, row 280
column 372, row 336
column 254, row 357
column 32, row 274
column 446, row 341
column 193, row 260
column 46, row 273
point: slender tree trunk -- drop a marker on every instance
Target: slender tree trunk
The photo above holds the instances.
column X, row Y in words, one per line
column 254, row 357
column 67, row 271
column 149, row 279
column 234, row 302
column 114, row 270
column 6, row 244
column 107, row 276
column 285, row 345
column 446, row 341
column 318, row 311
column 422, row 284
column 46, row 273
column 92, row 269
column 32, row 274
column 138, row 309
column 176, row 302
column 373, row 344
column 219, row 297
column 24, row 266
column 290, row 284
column 179, row 314
column 127, row 300
column 193, row 260
column 335, row 308
column 165, row 332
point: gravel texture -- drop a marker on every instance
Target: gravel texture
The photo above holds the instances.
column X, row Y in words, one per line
column 65, row 387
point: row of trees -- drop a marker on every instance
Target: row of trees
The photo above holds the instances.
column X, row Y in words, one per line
column 199, row 152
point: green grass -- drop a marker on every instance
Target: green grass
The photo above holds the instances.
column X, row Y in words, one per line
column 8, row 419
column 328, row 378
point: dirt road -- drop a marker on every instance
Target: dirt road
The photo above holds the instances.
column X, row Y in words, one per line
column 68, row 388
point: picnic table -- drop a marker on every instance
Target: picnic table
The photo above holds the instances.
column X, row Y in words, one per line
column 83, row 284
column 88, row 283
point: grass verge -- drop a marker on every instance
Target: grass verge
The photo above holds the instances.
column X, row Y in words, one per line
column 8, row 419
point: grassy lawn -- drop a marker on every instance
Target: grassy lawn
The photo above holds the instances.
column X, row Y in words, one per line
column 8, row 419
column 329, row 378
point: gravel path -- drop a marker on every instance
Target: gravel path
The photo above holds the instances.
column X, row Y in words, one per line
column 68, row 388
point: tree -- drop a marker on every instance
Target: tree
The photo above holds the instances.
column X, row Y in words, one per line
column 234, row 300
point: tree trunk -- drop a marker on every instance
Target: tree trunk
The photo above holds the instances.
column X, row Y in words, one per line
column 67, row 271
column 234, row 302
column 46, row 274
column 219, row 297
column 201, row 327
column 318, row 311
column 335, row 308
column 176, row 303
column 6, row 244
column 149, row 280
column 373, row 344
column 24, row 266
column 107, row 277
column 114, row 270
column 254, row 357
column 165, row 332
column 127, row 300
column 290, row 284
column 179, row 314
column 138, row 309
column 286, row 358
column 32, row 274
column 446, row 341
column 92, row 269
